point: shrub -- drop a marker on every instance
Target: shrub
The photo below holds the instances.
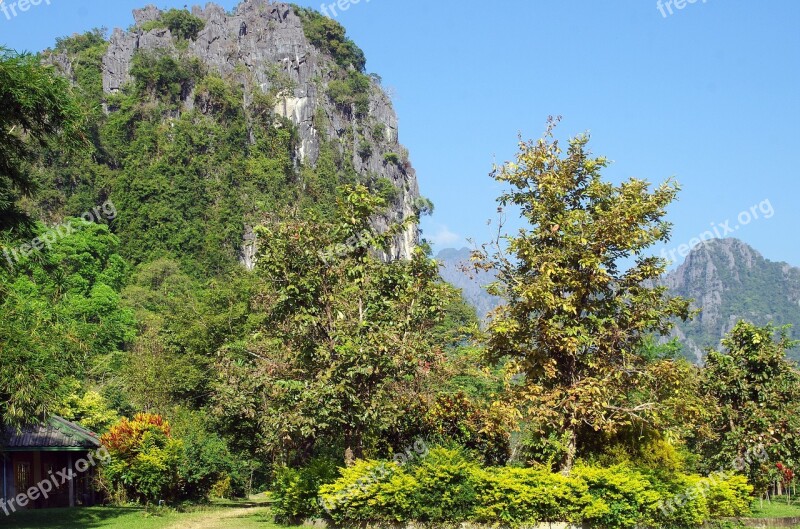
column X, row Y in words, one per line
column 163, row 76
column 517, row 496
column 423, row 206
column 340, row 93
column 223, row 488
column 446, row 486
column 214, row 95
column 729, row 497
column 297, row 490
column 180, row 22
column 384, row 188
column 364, row 149
column 371, row 491
column 694, row 500
column 680, row 508
column 621, row 497
column 361, row 103
column 330, row 37
column 144, row 459
column 392, row 157
column 183, row 24
column 439, row 489
column 351, row 93
column 379, row 133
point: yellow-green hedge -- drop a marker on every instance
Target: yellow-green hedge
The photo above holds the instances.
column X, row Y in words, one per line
column 446, row 486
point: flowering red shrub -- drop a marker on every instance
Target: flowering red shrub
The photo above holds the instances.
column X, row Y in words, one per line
column 787, row 474
column 126, row 436
column 145, row 460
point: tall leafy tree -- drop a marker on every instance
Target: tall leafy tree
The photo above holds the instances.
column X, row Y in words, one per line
column 347, row 341
column 578, row 287
column 182, row 323
column 36, row 108
column 756, row 390
column 60, row 312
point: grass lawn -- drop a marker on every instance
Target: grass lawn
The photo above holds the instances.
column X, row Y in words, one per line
column 233, row 515
column 777, row 508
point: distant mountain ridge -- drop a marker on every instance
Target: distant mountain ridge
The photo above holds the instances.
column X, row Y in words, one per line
column 730, row 281
column 453, row 263
column 727, row 279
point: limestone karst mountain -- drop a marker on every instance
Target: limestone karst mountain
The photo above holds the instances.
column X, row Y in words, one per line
column 727, row 279
column 731, row 281
column 288, row 78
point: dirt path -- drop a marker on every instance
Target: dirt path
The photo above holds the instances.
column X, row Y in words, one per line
column 223, row 519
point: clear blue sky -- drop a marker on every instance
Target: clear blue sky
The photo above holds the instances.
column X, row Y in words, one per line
column 709, row 94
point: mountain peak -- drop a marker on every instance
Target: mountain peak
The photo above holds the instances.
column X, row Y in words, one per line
column 283, row 72
column 730, row 247
column 730, row 281
column 451, row 254
column 732, row 252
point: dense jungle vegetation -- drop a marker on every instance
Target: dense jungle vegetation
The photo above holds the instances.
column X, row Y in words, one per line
column 356, row 389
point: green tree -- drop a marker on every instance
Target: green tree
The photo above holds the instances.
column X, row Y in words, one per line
column 182, row 323
column 206, row 459
column 576, row 285
column 36, row 109
column 60, row 315
column 756, row 390
column 347, row 341
column 87, row 407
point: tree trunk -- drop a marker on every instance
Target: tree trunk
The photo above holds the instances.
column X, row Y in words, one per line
column 354, row 442
column 569, row 457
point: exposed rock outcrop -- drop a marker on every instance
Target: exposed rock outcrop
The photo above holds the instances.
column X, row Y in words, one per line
column 730, row 281
column 266, row 38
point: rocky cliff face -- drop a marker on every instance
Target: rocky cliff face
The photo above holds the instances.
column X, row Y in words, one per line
column 262, row 44
column 730, row 281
